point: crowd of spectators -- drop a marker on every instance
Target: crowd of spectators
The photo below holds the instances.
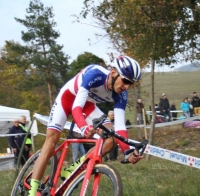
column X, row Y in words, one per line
column 190, row 107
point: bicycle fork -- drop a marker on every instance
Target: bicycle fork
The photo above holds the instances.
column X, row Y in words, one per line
column 90, row 166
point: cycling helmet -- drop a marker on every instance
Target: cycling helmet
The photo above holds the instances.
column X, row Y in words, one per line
column 128, row 68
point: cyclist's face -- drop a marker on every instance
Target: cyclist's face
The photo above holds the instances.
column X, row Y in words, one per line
column 121, row 85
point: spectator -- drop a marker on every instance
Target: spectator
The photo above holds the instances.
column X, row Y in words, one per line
column 165, row 107
column 16, row 141
column 128, row 122
column 28, row 142
column 195, row 101
column 114, row 152
column 139, row 106
column 185, row 106
column 76, row 149
column 191, row 108
column 159, row 118
column 173, row 108
column 157, row 107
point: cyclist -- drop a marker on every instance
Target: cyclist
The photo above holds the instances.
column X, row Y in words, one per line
column 79, row 96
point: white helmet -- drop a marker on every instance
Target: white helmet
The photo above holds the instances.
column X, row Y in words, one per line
column 128, row 68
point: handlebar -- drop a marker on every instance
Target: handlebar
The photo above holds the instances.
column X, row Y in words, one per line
column 139, row 147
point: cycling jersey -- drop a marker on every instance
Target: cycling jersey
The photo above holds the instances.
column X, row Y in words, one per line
column 80, row 95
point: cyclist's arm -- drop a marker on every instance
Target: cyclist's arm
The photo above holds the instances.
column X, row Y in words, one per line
column 119, row 114
column 77, row 108
column 91, row 77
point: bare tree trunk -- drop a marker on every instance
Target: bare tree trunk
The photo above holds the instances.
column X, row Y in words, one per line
column 50, row 90
column 137, row 95
column 152, row 125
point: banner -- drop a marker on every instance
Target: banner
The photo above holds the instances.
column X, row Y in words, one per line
column 172, row 156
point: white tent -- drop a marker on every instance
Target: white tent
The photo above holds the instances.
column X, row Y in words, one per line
column 8, row 114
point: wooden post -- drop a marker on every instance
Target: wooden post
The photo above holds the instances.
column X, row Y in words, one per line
column 33, row 144
column 144, row 122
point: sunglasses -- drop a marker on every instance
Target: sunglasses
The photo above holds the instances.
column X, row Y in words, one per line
column 126, row 81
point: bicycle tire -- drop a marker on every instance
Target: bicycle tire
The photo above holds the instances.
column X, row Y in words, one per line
column 110, row 182
column 19, row 189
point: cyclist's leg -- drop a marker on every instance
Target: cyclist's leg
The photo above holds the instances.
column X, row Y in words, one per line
column 48, row 148
column 58, row 118
column 24, row 177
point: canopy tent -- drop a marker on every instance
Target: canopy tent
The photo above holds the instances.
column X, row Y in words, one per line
column 8, row 114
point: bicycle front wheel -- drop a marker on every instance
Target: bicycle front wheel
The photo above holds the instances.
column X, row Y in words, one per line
column 24, row 177
column 110, row 182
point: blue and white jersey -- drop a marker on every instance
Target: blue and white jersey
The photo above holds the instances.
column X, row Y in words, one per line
column 90, row 86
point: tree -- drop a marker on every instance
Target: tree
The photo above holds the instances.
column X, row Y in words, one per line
column 153, row 32
column 82, row 61
column 9, row 96
column 41, row 52
column 12, row 85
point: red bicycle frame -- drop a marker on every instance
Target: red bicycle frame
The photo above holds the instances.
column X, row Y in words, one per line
column 93, row 157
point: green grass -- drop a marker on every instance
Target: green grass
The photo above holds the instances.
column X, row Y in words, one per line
column 158, row 177
column 155, row 178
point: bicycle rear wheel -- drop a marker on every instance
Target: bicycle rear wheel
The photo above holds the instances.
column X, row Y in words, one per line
column 110, row 182
column 19, row 188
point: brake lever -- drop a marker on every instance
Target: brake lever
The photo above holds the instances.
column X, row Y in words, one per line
column 140, row 152
column 144, row 142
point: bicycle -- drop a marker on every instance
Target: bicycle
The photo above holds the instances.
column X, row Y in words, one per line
column 106, row 179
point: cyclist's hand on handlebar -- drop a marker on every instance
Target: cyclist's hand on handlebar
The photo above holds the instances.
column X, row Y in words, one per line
column 135, row 157
column 88, row 131
column 132, row 156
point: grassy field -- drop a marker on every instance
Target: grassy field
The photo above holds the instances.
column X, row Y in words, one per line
column 158, row 177
column 154, row 178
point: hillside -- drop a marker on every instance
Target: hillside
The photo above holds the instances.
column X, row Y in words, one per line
column 189, row 67
column 176, row 85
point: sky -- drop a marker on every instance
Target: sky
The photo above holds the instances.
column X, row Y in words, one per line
column 73, row 36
